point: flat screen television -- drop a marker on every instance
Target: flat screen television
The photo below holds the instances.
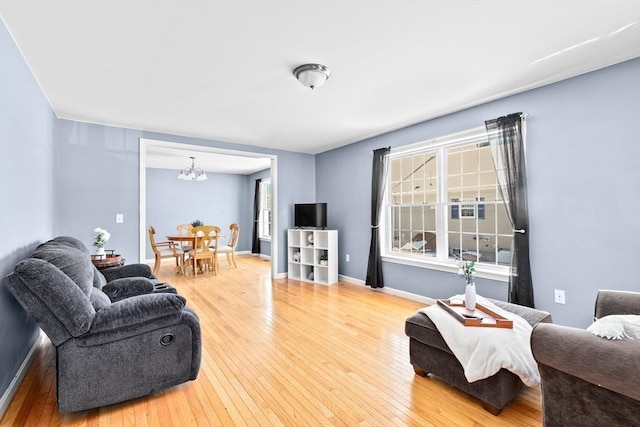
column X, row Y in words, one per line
column 310, row 215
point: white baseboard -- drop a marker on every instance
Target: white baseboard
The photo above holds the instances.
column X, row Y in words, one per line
column 390, row 291
column 17, row 379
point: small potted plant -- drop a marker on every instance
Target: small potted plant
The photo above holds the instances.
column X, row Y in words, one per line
column 324, row 259
column 468, row 269
column 196, row 223
column 101, row 238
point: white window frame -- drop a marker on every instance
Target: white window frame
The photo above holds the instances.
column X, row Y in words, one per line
column 441, row 261
column 262, row 209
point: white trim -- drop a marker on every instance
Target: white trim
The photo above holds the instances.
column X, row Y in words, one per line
column 499, row 273
column 390, row 291
column 144, row 143
column 458, row 138
column 5, row 400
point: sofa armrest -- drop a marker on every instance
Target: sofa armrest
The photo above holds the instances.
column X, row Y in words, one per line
column 135, row 310
column 127, row 287
column 532, row 315
column 129, row 270
column 612, row 364
column 616, row 302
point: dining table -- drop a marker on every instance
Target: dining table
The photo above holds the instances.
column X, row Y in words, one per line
column 189, row 239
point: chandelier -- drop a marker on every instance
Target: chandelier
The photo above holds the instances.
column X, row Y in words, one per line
column 192, row 173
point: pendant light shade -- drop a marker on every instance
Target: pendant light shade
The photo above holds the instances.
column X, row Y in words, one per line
column 312, row 75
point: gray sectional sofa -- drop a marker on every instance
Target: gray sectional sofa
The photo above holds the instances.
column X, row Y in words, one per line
column 118, row 334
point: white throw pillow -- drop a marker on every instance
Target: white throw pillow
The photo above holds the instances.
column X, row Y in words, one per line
column 617, row 326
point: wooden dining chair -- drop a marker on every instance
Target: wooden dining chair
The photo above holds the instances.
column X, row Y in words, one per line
column 185, row 229
column 230, row 248
column 206, row 236
column 165, row 250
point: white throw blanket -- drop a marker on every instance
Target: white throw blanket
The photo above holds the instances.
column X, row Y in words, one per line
column 482, row 351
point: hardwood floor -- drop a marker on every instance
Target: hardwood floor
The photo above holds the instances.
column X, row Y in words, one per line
column 284, row 353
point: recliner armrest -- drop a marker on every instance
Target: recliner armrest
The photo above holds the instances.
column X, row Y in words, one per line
column 135, row 310
column 127, row 287
column 612, row 364
column 129, row 270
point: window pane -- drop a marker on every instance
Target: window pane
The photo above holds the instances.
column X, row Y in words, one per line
column 474, row 220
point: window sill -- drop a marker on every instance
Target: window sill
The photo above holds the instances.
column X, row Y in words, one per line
column 484, row 271
column 265, row 239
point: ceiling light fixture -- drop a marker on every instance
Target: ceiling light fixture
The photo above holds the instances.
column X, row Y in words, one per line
column 192, row 173
column 312, row 75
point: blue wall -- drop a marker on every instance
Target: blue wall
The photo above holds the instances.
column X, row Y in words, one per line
column 583, row 148
column 217, row 201
column 106, row 158
column 27, row 214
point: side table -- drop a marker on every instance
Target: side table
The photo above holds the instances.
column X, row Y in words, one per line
column 108, row 261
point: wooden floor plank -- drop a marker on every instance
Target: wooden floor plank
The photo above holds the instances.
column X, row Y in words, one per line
column 283, row 353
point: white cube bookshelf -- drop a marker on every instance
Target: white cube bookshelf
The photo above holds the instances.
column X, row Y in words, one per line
column 306, row 247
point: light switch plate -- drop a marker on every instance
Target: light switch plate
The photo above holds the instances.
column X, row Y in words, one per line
column 119, row 218
column 559, row 296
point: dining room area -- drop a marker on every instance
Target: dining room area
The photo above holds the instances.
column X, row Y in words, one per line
column 199, row 209
column 195, row 248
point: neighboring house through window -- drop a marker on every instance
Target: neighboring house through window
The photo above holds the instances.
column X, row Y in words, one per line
column 265, row 209
column 443, row 204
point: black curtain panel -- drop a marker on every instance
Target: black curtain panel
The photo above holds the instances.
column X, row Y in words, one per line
column 506, row 135
column 255, row 241
column 378, row 180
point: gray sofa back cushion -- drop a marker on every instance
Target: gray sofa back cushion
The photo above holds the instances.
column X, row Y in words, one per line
column 72, row 262
column 37, row 310
column 57, row 295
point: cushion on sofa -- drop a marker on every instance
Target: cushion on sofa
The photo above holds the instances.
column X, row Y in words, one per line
column 71, row 261
column 99, row 299
column 617, row 326
column 61, row 296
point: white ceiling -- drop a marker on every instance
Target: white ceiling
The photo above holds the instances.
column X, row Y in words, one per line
column 222, row 70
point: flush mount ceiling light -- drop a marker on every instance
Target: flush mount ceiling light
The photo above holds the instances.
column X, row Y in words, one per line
column 312, row 75
column 192, row 172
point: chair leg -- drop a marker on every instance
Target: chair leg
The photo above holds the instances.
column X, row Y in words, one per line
column 156, row 266
column 233, row 258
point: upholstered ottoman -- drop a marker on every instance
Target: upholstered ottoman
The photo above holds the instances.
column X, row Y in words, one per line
column 429, row 354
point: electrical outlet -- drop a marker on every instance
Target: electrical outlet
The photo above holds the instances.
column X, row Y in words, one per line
column 347, row 257
column 559, row 296
column 119, row 218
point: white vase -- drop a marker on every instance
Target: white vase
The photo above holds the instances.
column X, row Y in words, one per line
column 470, row 297
column 101, row 253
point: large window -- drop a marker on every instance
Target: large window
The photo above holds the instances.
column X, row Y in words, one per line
column 444, row 204
column 265, row 210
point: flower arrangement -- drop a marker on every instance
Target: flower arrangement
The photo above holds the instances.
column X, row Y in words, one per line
column 101, row 238
column 467, row 270
column 197, row 223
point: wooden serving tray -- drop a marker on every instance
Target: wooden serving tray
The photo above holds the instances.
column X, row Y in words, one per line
column 481, row 316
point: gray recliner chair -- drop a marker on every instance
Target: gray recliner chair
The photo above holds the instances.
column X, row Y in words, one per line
column 128, row 341
column 587, row 379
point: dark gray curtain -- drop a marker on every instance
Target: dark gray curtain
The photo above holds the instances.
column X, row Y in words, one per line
column 255, row 241
column 378, row 181
column 506, row 135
